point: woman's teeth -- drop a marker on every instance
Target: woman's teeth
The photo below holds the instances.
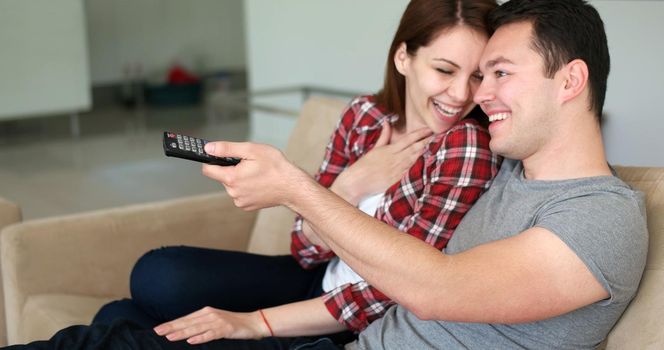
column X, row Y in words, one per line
column 446, row 110
column 498, row 116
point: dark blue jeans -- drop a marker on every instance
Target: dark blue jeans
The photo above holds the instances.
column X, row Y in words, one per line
column 171, row 282
column 126, row 335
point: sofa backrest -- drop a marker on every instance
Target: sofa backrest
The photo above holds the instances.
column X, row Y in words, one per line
column 306, row 148
column 642, row 325
column 9, row 213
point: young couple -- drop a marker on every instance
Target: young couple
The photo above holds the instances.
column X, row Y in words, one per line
column 527, row 267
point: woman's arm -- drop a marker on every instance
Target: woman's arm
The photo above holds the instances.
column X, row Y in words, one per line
column 364, row 131
column 307, row 249
column 457, row 168
column 309, row 317
column 372, row 173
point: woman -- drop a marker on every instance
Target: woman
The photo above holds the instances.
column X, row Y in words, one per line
column 430, row 79
column 406, row 156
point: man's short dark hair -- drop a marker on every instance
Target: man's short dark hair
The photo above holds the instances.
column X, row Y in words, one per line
column 564, row 30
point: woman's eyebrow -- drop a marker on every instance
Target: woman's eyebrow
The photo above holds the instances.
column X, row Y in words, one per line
column 448, row 61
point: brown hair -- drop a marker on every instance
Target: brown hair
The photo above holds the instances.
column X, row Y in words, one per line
column 420, row 23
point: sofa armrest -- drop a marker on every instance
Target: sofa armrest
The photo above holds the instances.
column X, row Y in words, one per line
column 92, row 253
column 9, row 213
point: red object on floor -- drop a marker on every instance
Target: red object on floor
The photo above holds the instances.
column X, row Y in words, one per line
column 179, row 75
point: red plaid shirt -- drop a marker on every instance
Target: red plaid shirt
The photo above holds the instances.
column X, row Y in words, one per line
column 428, row 202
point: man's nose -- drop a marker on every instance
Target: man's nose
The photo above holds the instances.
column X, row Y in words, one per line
column 485, row 92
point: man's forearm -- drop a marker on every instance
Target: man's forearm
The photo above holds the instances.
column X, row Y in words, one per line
column 349, row 196
column 385, row 257
column 312, row 236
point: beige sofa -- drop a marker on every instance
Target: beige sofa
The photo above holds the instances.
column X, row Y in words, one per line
column 59, row 271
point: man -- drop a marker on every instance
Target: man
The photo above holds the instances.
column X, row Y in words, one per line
column 549, row 257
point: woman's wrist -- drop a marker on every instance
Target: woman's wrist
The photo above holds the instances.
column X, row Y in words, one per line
column 341, row 189
column 262, row 326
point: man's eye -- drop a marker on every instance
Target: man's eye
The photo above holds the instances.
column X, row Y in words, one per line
column 477, row 76
column 500, row 73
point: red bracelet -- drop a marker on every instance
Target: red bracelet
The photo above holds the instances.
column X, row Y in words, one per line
column 266, row 323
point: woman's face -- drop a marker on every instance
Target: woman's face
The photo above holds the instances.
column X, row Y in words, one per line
column 441, row 78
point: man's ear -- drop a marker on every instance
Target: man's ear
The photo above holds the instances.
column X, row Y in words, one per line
column 401, row 59
column 575, row 79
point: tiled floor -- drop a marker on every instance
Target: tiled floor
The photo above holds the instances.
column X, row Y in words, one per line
column 117, row 159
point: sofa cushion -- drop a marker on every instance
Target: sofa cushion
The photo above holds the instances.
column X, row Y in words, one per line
column 306, row 148
column 44, row 314
column 642, row 324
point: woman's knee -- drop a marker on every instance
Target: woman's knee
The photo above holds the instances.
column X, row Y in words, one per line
column 156, row 271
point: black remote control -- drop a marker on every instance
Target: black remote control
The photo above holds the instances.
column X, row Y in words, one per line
column 191, row 148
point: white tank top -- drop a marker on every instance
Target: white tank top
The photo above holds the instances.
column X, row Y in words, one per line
column 338, row 272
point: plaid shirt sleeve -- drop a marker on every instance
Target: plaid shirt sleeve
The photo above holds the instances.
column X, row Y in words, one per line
column 337, row 158
column 428, row 203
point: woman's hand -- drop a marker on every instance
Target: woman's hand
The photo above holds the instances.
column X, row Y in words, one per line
column 302, row 318
column 382, row 166
column 209, row 324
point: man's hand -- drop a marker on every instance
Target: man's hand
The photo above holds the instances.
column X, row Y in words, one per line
column 208, row 324
column 264, row 178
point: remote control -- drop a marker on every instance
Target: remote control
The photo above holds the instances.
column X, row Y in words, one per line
column 191, row 148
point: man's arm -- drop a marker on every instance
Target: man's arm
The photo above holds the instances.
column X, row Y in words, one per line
column 531, row 276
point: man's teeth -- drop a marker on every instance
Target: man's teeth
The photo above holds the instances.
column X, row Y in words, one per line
column 445, row 110
column 498, row 116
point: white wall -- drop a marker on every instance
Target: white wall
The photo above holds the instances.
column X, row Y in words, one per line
column 205, row 35
column 337, row 44
column 343, row 44
column 44, row 59
column 634, row 128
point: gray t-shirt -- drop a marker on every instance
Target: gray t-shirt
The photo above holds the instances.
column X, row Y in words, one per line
column 600, row 218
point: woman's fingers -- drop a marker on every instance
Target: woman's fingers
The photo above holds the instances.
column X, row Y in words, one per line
column 179, row 323
column 208, row 324
column 407, row 156
column 203, row 338
column 413, row 137
column 385, row 134
column 193, row 329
